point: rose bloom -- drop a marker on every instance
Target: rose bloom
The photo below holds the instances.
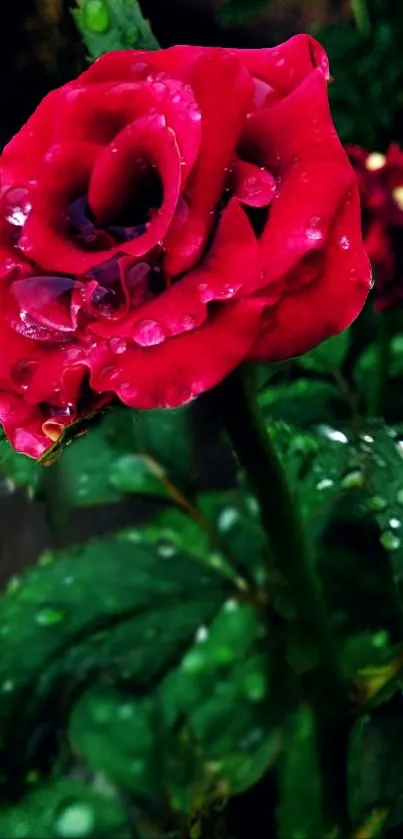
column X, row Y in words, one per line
column 163, row 218
column 380, row 180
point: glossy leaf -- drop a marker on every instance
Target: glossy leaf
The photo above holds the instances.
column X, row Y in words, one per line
column 68, row 809
column 168, row 437
column 20, row 470
column 107, row 25
column 347, row 488
column 80, row 612
column 302, row 402
column 207, row 731
column 328, row 356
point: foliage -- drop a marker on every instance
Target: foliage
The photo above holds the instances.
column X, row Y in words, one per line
column 365, row 62
column 156, row 678
column 107, row 25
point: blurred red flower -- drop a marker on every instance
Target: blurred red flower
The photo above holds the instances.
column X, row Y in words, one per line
column 380, row 181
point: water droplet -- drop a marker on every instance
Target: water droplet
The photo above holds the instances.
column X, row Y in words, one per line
column 7, row 686
column 255, row 686
column 255, row 736
column 126, row 711
column 15, row 206
column 101, row 712
column 187, row 322
column 202, row 634
column 194, row 662
column 367, row 438
column 76, row 821
column 44, row 307
column 148, row 333
column 227, row 291
column 118, row 345
column 314, row 229
column 68, row 581
column 96, row 16
column 50, row 616
column 133, row 536
column 130, row 36
column 380, row 639
column 224, row 654
column 389, row 541
column 371, row 280
column 377, row 503
column 127, row 390
column 231, row 606
column 166, row 549
column 227, row 518
column 344, row 242
column 325, row 483
column 355, row 478
column 332, row 434
column 137, row 767
column 252, row 505
column 394, row 523
column 13, row 584
column 399, row 497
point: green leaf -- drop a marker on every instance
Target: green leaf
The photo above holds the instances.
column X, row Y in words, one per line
column 168, row 437
column 347, row 488
column 235, row 515
column 107, row 25
column 102, row 467
column 66, row 809
column 375, row 770
column 134, row 473
column 302, row 402
column 329, row 356
column 78, row 613
column 205, row 732
column 299, row 811
column 20, row 470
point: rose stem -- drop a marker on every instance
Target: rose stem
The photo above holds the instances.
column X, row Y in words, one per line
column 361, row 16
column 252, row 444
column 382, row 364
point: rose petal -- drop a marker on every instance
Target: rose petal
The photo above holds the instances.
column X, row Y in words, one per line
column 214, row 78
column 112, row 177
column 253, row 185
column 100, row 111
column 22, row 424
column 311, row 314
column 172, row 373
column 285, row 66
column 229, row 267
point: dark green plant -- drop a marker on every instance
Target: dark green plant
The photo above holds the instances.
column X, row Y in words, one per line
column 245, row 638
column 366, row 63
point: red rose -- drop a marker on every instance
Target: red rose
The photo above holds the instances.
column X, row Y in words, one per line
column 380, row 181
column 165, row 217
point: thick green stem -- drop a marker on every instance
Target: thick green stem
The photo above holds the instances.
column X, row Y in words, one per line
column 382, row 364
column 247, row 431
column 361, row 16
